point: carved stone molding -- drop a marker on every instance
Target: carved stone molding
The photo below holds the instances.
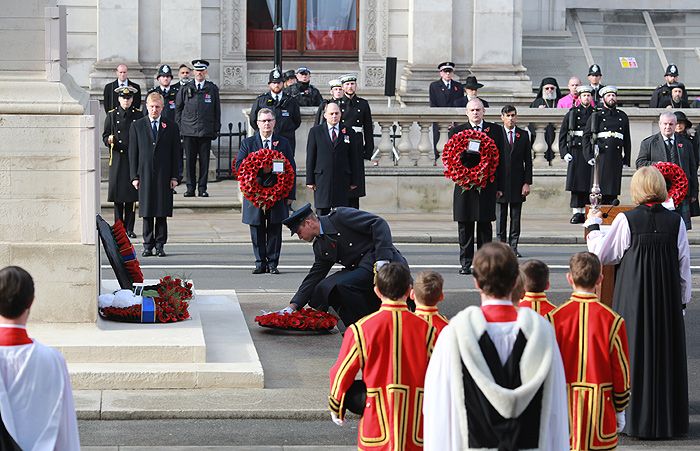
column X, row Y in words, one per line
column 233, row 14
column 234, row 76
column 374, row 76
column 374, row 29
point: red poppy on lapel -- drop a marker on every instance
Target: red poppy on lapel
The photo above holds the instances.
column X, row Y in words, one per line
column 455, row 88
column 517, row 135
column 343, row 131
column 275, row 143
column 486, row 130
column 162, row 124
column 680, row 145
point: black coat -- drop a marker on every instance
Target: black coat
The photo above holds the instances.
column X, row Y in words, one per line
column 661, row 97
column 252, row 215
column 473, row 204
column 439, row 96
column 356, row 114
column 154, row 165
column 516, row 165
column 110, row 99
column 653, row 149
column 170, row 100
column 352, row 238
column 198, row 113
column 305, row 94
column 462, row 102
column 332, row 168
column 117, row 124
column 287, row 115
column 578, row 173
column 614, row 152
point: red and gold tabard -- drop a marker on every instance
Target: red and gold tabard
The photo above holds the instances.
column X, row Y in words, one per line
column 392, row 348
column 593, row 343
column 537, row 302
column 432, row 316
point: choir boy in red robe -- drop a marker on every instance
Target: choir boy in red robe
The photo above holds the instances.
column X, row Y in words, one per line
column 427, row 292
column 535, row 275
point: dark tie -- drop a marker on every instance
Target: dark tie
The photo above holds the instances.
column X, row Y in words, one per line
column 154, row 129
column 671, row 152
column 510, row 137
column 266, row 144
column 199, row 86
column 334, row 135
column 477, row 128
column 447, row 85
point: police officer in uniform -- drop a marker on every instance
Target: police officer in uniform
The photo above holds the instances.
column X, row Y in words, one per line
column 614, row 145
column 285, row 107
column 661, row 97
column 169, row 93
column 357, row 240
column 303, row 91
column 578, row 172
column 594, row 76
column 198, row 114
column 357, row 115
column 443, row 93
column 116, row 138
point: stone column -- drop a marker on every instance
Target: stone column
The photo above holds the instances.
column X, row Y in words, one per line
column 176, row 46
column 234, row 67
column 374, row 43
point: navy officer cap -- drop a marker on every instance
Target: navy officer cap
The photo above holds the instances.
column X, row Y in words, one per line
column 295, row 219
column 447, row 65
column 126, row 91
column 200, row 64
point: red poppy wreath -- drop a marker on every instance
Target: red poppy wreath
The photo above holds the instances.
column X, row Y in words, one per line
column 303, row 319
column 674, row 175
column 248, row 172
column 477, row 176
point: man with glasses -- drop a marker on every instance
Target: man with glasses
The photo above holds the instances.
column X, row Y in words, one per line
column 284, row 106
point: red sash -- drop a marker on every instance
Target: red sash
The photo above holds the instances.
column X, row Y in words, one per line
column 14, row 336
column 500, row 313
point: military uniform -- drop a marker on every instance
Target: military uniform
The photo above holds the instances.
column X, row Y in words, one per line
column 305, row 94
column 356, row 114
column 110, row 98
column 537, row 302
column 578, row 172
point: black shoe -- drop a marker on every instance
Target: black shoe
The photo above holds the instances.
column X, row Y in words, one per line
column 203, row 194
column 131, row 235
column 161, row 253
column 465, row 271
column 147, row 253
column 517, row 254
column 188, row 194
column 578, row 218
column 273, row 270
column 259, row 270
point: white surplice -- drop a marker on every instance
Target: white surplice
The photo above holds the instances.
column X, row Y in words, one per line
column 36, row 400
column 444, row 413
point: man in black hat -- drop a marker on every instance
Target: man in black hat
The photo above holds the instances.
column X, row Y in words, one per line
column 356, row 239
column 285, row 107
column 548, row 94
column 594, row 77
column 661, row 97
column 471, row 88
column 303, row 91
column 109, row 97
column 678, row 98
column 169, row 93
column 198, row 114
column 115, row 135
column 357, row 115
column 290, row 78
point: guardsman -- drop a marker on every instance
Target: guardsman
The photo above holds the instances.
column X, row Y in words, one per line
column 661, row 97
column 578, row 172
column 594, row 76
column 614, row 144
column 116, row 138
column 169, row 93
column 285, row 107
column 303, row 91
column 337, row 93
column 357, row 115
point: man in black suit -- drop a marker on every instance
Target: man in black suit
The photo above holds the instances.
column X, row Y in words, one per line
column 110, row 98
column 285, row 107
column 443, row 93
column 266, row 225
column 674, row 148
column 517, row 177
column 476, row 207
column 154, row 148
column 331, row 157
column 356, row 239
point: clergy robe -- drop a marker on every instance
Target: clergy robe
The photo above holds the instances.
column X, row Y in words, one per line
column 496, row 381
column 392, row 348
column 593, row 343
column 432, row 316
column 537, row 302
column 36, row 401
column 652, row 286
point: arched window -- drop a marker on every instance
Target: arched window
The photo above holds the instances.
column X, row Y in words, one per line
column 311, row 28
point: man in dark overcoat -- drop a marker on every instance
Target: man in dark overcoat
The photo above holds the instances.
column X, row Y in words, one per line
column 154, row 147
column 475, row 207
column 266, row 225
column 517, row 177
column 285, row 107
column 109, row 96
column 332, row 152
column 115, row 136
column 357, row 240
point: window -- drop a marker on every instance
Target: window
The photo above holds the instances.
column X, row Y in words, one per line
column 310, row 28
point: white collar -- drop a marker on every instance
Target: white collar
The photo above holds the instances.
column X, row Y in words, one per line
column 13, row 326
column 480, row 125
column 331, row 127
column 496, row 302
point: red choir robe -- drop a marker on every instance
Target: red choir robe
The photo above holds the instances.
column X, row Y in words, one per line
column 593, row 343
column 391, row 347
column 537, row 302
column 432, row 316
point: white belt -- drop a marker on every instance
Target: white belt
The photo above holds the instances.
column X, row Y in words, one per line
column 578, row 133
column 611, row 135
column 358, row 129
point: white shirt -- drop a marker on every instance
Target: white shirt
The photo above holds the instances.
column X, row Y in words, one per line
column 330, row 131
column 480, row 125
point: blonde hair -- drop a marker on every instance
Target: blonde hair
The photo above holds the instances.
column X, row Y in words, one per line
column 155, row 96
column 648, row 185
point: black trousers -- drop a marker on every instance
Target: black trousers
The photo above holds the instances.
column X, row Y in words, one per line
column 155, row 236
column 124, row 211
column 197, row 149
column 267, row 242
column 465, row 230
column 516, row 209
column 579, row 199
column 351, row 294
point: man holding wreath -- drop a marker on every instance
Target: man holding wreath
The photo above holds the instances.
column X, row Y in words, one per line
column 266, row 225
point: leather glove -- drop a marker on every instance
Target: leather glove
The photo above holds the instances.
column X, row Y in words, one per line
column 340, row 422
column 620, row 418
column 591, row 161
column 568, row 158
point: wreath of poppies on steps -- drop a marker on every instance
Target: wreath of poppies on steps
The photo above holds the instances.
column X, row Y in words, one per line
column 674, row 175
column 477, row 176
column 248, row 172
column 303, row 319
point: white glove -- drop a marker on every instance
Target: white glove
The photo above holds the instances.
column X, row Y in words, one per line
column 340, row 422
column 380, row 263
column 285, row 311
column 568, row 157
column 620, row 417
column 591, row 161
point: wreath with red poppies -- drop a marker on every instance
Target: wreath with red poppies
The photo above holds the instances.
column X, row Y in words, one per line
column 674, row 175
column 171, row 298
column 302, row 319
column 264, row 196
column 477, row 176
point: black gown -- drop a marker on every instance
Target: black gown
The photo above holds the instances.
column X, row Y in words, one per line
column 648, row 296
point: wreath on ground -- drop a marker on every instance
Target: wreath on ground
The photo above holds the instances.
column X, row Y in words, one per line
column 302, row 319
column 675, row 179
column 477, row 176
column 248, row 178
column 167, row 302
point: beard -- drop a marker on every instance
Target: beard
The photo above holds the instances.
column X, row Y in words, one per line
column 549, row 95
column 612, row 103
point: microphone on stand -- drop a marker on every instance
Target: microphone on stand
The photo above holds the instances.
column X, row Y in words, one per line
column 614, row 204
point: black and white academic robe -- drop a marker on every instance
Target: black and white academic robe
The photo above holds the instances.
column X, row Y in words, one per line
column 465, row 408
